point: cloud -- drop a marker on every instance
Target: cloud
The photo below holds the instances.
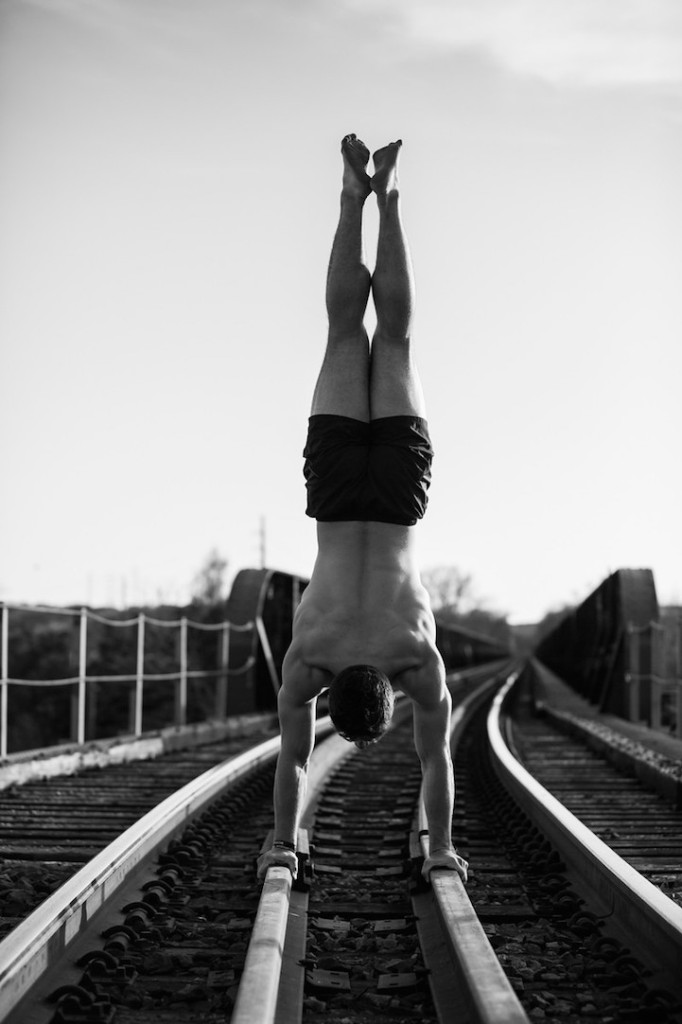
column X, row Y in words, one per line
column 569, row 42
column 572, row 42
column 96, row 13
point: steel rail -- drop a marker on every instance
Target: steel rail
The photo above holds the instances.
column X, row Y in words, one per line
column 265, row 995
column 259, row 985
column 633, row 905
column 482, row 990
column 272, row 984
column 39, row 942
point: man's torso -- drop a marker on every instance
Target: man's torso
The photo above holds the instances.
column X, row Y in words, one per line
column 365, row 603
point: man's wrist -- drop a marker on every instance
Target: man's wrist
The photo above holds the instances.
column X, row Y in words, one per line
column 284, row 844
column 442, row 848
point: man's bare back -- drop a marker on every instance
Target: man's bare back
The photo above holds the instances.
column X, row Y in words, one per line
column 365, row 603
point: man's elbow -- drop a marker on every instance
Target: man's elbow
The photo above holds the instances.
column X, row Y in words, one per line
column 434, row 750
column 295, row 760
column 436, row 759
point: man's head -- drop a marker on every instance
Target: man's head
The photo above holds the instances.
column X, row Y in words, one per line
column 361, row 704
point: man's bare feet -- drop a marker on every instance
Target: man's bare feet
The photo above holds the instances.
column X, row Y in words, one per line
column 385, row 177
column 355, row 160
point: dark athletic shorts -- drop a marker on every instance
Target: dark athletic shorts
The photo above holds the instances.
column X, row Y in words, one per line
column 373, row 472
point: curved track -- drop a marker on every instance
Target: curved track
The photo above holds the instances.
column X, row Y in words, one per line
column 189, row 936
column 634, row 929
column 622, row 844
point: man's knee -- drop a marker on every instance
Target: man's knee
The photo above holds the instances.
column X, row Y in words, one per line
column 347, row 297
column 348, row 344
column 394, row 312
column 392, row 348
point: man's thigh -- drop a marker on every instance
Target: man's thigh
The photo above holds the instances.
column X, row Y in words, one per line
column 342, row 387
column 395, row 388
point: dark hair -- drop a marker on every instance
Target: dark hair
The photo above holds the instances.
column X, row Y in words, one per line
column 361, row 703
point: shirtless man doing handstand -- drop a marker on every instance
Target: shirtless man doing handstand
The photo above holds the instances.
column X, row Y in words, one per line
column 364, row 626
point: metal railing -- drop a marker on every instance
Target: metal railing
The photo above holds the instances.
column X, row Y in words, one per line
column 654, row 676
column 82, row 680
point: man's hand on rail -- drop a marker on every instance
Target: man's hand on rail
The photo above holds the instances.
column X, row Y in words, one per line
column 449, row 859
column 276, row 855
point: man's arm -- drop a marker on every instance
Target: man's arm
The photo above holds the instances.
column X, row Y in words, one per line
column 297, row 729
column 432, row 706
column 297, row 725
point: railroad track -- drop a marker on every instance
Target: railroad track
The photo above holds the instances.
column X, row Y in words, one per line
column 190, row 936
column 51, row 826
column 631, row 815
column 639, row 824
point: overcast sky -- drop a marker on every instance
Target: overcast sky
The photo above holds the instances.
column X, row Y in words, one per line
column 168, row 193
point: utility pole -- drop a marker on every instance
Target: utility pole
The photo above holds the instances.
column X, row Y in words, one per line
column 262, row 542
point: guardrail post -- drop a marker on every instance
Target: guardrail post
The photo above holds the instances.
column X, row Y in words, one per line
column 82, row 675
column 224, row 661
column 267, row 651
column 4, row 685
column 181, row 685
column 139, row 681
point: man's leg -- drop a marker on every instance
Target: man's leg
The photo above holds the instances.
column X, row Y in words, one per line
column 395, row 388
column 343, row 384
